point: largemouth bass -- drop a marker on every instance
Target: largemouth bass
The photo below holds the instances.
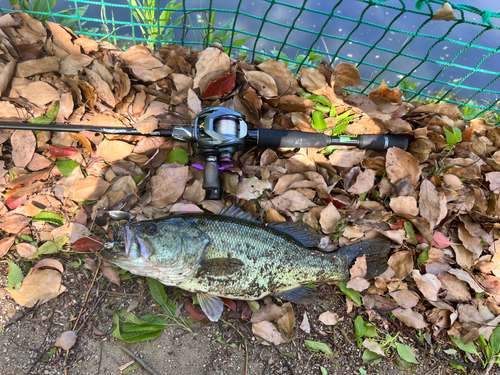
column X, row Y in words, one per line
column 233, row 256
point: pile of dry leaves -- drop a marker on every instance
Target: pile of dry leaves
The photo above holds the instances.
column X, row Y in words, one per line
column 444, row 191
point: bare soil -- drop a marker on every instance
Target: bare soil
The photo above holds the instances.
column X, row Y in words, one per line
column 29, row 334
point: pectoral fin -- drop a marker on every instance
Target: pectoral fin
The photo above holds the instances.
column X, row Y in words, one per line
column 300, row 295
column 211, row 305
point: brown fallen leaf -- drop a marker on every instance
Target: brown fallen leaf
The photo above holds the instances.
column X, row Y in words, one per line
column 402, row 263
column 329, row 218
column 66, row 340
column 346, row 75
column 286, row 322
column 359, row 268
column 494, row 179
column 305, row 325
column 168, row 184
column 110, row 273
column 428, row 284
column 39, row 93
column 432, row 205
column 291, row 200
column 347, row 158
column 38, row 66
column 405, row 298
column 285, row 81
column 405, row 205
column 364, row 182
column 114, row 150
column 400, row 164
column 73, row 231
column 209, row 61
column 25, row 249
column 23, row 147
column 470, row 242
column 13, row 223
column 5, row 244
column 410, row 318
column 456, row 289
column 263, row 83
column 266, row 332
column 358, row 283
column 90, row 188
column 101, row 87
column 252, row 188
column 329, row 318
column 6, row 75
column 39, row 286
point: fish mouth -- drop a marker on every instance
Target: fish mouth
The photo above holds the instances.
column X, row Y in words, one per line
column 133, row 246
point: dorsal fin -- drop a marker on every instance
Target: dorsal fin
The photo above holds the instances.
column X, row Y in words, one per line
column 302, row 233
column 238, row 213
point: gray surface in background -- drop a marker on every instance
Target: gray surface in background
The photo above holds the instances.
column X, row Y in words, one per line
column 419, row 47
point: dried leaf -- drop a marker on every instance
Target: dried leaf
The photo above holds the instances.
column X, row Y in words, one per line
column 359, row 268
column 39, row 286
column 346, row 75
column 359, row 284
column 286, row 323
column 23, row 147
column 428, row 284
column 114, row 150
column 470, row 242
column 410, row 318
column 209, row 61
column 364, row 182
column 347, row 158
column 5, row 244
column 66, row 340
column 291, row 200
column 402, row 263
column 400, row 164
column 13, row 223
column 168, row 184
column 25, row 249
column 305, row 326
column 329, row 318
column 252, row 188
column 329, row 218
column 266, row 332
column 90, row 188
column 110, row 273
column 432, row 206
column 221, row 86
column 404, row 204
column 312, row 79
column 285, row 81
column 405, row 298
column 263, row 83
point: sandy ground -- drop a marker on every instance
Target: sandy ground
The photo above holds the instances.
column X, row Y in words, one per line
column 30, row 333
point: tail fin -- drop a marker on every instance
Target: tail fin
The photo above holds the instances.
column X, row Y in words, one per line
column 376, row 255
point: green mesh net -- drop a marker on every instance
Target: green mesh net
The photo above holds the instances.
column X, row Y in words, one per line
column 391, row 40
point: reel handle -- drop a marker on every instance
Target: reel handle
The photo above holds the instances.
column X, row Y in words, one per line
column 211, row 180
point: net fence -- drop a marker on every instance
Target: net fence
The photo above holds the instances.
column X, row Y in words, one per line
column 393, row 40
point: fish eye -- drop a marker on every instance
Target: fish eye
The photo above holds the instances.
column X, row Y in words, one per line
column 151, row 229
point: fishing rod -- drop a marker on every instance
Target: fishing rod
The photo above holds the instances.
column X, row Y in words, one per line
column 220, row 132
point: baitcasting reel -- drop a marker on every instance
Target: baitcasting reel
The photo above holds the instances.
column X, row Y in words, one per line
column 218, row 132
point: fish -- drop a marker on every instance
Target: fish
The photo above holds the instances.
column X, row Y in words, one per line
column 232, row 255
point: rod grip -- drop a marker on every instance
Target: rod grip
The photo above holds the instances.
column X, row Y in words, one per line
column 292, row 139
column 382, row 142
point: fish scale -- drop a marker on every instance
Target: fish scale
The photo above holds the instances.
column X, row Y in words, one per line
column 273, row 262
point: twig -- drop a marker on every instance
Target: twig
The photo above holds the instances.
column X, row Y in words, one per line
column 425, row 345
column 121, row 294
column 431, row 371
column 90, row 314
column 140, row 361
column 326, row 48
column 81, row 312
column 246, row 358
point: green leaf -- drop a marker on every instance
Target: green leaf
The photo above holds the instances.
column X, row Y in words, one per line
column 408, row 226
column 424, row 255
column 158, row 293
column 450, row 351
column 49, row 117
column 26, row 238
column 362, row 371
column 178, row 155
column 322, row 108
column 318, row 346
column 359, row 330
column 15, row 276
column 116, row 330
column 254, row 306
column 402, row 364
column 66, row 166
column 469, row 348
column 317, row 99
column 61, row 241
column 495, row 340
column 323, row 370
column 49, row 217
column 48, row 247
column 452, row 138
column 351, row 293
column 458, row 367
column 371, row 357
column 132, row 337
column 318, row 122
column 406, row 353
column 131, row 368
